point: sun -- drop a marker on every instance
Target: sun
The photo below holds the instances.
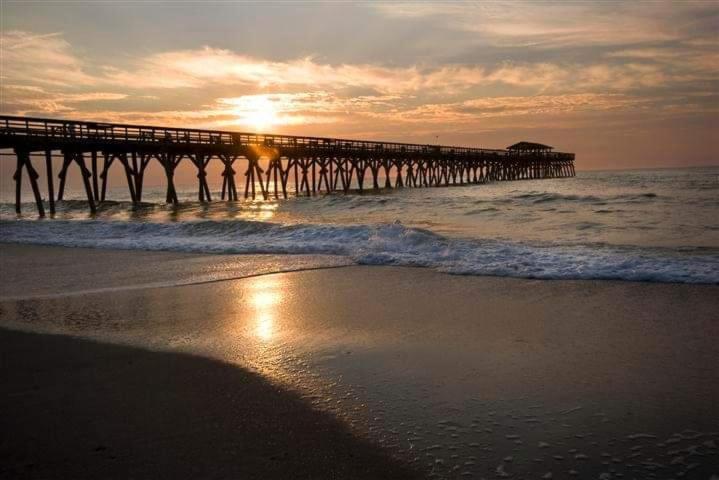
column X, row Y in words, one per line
column 263, row 117
column 257, row 111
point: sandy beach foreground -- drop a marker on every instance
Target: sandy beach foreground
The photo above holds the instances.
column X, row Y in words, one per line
column 352, row 372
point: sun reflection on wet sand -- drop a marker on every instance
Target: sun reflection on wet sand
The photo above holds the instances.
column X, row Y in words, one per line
column 265, row 325
column 265, row 295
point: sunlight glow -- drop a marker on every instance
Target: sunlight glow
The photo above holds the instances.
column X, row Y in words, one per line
column 262, row 300
column 266, row 295
column 259, row 112
column 264, row 327
column 261, row 210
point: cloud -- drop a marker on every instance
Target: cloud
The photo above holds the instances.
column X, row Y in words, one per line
column 472, row 110
column 41, row 59
column 208, row 66
column 47, row 60
column 38, row 100
column 698, row 59
column 197, row 68
column 562, row 24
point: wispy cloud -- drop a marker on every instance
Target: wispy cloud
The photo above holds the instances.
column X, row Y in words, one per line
column 557, row 24
column 41, row 59
column 36, row 99
column 207, row 66
column 49, row 60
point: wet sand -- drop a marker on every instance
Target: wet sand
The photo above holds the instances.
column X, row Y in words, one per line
column 459, row 377
column 38, row 271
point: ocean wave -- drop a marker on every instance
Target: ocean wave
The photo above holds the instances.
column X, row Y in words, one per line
column 544, row 197
column 381, row 244
column 478, row 211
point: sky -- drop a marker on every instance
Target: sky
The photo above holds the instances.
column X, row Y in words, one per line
column 621, row 84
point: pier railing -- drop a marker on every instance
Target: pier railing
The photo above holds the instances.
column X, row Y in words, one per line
column 112, row 132
column 324, row 163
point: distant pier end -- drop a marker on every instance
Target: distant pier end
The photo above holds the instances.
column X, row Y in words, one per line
column 316, row 164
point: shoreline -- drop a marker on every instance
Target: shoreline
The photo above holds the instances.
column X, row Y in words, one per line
column 450, row 374
column 200, row 268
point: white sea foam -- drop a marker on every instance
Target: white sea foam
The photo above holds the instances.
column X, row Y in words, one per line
column 379, row 244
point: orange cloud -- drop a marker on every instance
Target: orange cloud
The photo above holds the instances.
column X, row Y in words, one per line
column 199, row 68
column 34, row 98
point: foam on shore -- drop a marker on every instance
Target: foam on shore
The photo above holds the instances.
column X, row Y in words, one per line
column 380, row 244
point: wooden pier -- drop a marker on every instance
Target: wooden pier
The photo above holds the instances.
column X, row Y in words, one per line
column 315, row 164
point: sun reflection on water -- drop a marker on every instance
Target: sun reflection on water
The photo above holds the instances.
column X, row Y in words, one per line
column 261, row 210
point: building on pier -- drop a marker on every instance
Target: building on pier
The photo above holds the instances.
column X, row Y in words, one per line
column 524, row 148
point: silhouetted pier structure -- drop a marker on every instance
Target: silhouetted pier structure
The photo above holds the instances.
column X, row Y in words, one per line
column 315, row 164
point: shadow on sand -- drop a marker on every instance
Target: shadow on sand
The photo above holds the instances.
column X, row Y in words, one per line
column 72, row 408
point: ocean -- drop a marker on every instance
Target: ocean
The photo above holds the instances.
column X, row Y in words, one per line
column 642, row 225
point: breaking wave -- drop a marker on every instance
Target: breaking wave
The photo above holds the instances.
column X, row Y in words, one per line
column 379, row 244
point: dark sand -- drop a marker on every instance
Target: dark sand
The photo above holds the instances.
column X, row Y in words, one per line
column 460, row 377
column 76, row 409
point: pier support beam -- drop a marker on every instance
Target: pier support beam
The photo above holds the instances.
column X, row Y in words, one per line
column 107, row 159
column 169, row 162
column 129, row 175
column 62, row 176
column 305, row 164
column 201, row 160
column 228, row 178
column 50, row 180
column 254, row 171
column 137, row 170
column 23, row 161
column 278, row 175
column 95, row 187
column 324, row 164
column 77, row 157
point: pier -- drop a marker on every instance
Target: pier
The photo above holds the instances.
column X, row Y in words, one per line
column 267, row 162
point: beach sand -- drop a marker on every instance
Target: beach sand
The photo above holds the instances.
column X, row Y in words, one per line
column 78, row 409
column 35, row 270
column 353, row 372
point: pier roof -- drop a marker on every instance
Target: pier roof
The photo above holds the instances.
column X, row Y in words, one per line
column 529, row 146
